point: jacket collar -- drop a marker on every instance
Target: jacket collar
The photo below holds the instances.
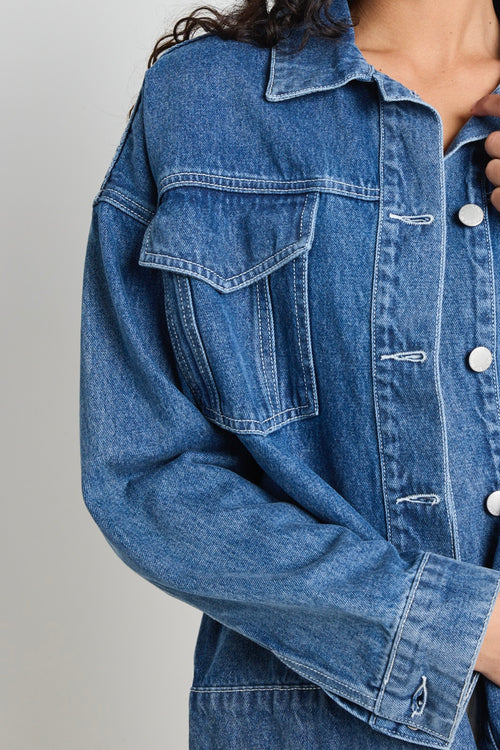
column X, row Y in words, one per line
column 325, row 64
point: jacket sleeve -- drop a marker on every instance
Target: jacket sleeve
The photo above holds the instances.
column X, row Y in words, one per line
column 392, row 638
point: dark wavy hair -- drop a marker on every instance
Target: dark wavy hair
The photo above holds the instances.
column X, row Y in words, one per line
column 251, row 21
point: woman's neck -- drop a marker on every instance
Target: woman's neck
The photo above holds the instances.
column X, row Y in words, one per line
column 435, row 36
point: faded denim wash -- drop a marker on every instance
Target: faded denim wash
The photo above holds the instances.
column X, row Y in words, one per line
column 279, row 424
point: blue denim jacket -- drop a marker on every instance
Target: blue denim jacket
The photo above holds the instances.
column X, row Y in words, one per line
column 284, row 422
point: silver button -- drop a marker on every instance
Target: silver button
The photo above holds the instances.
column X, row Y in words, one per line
column 471, row 214
column 493, row 503
column 480, row 358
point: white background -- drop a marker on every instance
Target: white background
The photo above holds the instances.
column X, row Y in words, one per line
column 94, row 657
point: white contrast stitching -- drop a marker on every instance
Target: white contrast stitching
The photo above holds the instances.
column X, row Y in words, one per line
column 297, row 323
column 211, row 272
column 316, row 671
column 260, row 421
column 373, row 324
column 419, row 698
column 413, row 219
column 244, row 184
column 245, row 688
column 418, row 355
column 307, row 327
column 128, row 200
column 185, row 370
column 272, row 341
column 261, row 348
column 401, row 626
column 449, row 498
column 434, row 499
column 196, row 344
column 124, row 208
column 492, row 284
column 294, row 92
column 226, row 422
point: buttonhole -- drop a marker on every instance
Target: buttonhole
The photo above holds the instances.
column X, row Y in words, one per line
column 419, row 698
column 423, row 499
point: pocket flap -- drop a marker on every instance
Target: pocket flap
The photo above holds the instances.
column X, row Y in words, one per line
column 228, row 238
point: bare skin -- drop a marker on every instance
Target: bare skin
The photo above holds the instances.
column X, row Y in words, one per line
column 448, row 51
column 488, row 660
column 490, row 105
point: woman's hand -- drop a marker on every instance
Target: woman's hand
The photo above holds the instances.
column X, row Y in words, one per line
column 490, row 105
column 488, row 660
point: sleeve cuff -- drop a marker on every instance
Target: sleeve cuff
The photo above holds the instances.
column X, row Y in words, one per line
column 430, row 673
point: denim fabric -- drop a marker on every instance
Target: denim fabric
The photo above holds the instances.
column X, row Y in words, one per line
column 279, row 424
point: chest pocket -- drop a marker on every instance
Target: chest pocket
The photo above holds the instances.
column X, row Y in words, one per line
column 236, row 301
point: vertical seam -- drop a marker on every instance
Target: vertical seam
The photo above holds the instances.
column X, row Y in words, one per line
column 493, row 294
column 449, row 501
column 272, row 340
column 399, row 632
column 297, row 324
column 197, row 346
column 311, row 385
column 376, row 404
column 299, row 259
column 261, row 346
column 185, row 369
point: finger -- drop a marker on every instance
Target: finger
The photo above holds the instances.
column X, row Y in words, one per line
column 487, row 105
column 492, row 145
column 492, row 171
column 495, row 198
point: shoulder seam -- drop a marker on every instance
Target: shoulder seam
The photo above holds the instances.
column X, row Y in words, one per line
column 123, row 138
column 125, row 203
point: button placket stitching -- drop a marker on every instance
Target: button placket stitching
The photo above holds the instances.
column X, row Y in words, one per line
column 486, row 325
column 388, row 329
column 493, row 301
